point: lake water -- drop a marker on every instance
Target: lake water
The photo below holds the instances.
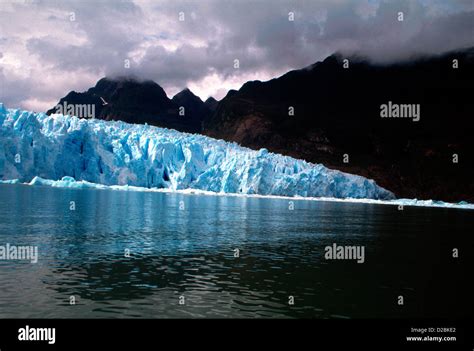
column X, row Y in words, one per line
column 182, row 246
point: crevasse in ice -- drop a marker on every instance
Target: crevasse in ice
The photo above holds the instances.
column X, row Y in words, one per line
column 116, row 153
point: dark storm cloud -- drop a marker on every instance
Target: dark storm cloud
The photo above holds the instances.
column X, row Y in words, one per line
column 45, row 54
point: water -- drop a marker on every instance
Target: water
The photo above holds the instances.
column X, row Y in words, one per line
column 190, row 252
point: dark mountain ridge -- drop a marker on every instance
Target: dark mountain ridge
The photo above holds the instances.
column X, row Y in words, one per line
column 133, row 101
column 337, row 118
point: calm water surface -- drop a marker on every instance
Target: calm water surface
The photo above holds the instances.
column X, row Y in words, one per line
column 190, row 252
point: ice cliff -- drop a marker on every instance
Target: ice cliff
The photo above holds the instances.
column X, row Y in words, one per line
column 117, row 153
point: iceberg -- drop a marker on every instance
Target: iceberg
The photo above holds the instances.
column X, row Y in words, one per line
column 62, row 150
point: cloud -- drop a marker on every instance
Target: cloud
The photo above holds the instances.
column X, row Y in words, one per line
column 49, row 48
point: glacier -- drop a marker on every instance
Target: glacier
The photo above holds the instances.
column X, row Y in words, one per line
column 62, row 150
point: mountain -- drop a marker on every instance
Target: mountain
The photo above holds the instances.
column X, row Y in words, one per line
column 337, row 117
column 115, row 153
column 133, row 101
column 211, row 104
column 194, row 107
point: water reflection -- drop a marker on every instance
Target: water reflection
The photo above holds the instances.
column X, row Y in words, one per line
column 189, row 251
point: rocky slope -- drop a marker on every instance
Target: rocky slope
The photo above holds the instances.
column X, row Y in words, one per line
column 133, row 101
column 337, row 118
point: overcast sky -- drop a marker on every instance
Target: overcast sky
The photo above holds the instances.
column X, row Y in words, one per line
column 48, row 48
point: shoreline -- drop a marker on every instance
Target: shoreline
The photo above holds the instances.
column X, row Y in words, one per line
column 70, row 183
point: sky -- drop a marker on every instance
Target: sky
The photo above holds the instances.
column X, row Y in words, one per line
column 48, row 48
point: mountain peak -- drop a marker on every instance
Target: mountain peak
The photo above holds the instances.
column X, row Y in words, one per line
column 211, row 103
column 186, row 95
column 210, row 100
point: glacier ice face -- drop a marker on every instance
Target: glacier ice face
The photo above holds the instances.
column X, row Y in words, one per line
column 117, row 153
